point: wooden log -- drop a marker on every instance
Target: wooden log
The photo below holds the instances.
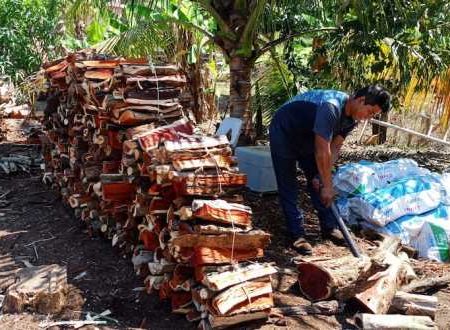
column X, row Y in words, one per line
column 195, row 142
column 205, row 180
column 118, row 191
column 427, row 284
column 222, row 212
column 171, row 80
column 215, row 161
column 319, row 308
column 322, row 279
column 204, row 255
column 225, row 301
column 39, row 288
column 379, row 290
column 393, row 321
column 224, row 279
column 218, row 230
column 220, row 322
column 256, row 239
column 151, row 139
column 143, row 69
column 414, row 304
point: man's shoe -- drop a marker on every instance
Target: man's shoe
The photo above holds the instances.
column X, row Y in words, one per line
column 302, row 246
column 335, row 236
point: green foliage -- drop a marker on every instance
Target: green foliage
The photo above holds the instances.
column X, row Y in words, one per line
column 376, row 41
column 27, row 35
column 272, row 88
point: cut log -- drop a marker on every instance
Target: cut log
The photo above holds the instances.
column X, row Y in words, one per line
column 386, row 322
column 118, row 191
column 241, row 241
column 319, row 308
column 218, row 230
column 195, row 142
column 172, row 80
column 224, row 179
column 222, row 212
column 220, row 281
column 427, row 284
column 215, row 161
column 414, row 304
column 41, row 288
column 104, row 64
column 322, row 279
column 379, row 290
column 145, row 70
column 152, row 138
column 205, row 256
column 243, row 292
column 220, row 322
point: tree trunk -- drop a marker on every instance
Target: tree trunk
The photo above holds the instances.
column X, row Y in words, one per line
column 240, row 90
column 259, row 118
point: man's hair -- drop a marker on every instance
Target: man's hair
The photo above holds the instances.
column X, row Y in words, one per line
column 375, row 95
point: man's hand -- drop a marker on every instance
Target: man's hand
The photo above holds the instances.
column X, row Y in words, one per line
column 327, row 196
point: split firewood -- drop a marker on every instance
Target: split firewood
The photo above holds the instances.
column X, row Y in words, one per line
column 319, row 308
column 378, row 292
column 224, row 302
column 220, row 322
column 386, row 322
column 224, row 279
column 427, row 284
column 217, row 230
column 255, row 239
column 414, row 304
column 215, row 162
column 204, row 255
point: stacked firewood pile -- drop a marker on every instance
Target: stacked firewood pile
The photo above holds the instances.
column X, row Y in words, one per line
column 380, row 283
column 127, row 161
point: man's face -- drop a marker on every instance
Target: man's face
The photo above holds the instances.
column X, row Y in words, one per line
column 365, row 111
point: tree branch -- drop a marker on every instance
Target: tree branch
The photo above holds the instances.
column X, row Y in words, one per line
column 249, row 29
column 209, row 35
column 219, row 20
column 283, row 39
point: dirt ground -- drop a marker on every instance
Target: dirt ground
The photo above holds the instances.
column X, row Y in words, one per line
column 36, row 226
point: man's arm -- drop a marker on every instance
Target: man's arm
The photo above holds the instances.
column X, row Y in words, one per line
column 324, row 163
column 336, row 145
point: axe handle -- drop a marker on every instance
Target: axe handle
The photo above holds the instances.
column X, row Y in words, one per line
column 343, row 228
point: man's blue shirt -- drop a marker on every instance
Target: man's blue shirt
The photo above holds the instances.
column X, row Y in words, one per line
column 294, row 125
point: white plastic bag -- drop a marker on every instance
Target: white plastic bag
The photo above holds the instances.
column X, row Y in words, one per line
column 433, row 240
column 366, row 177
column 409, row 196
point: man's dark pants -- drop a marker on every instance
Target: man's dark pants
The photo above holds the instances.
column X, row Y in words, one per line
column 288, row 190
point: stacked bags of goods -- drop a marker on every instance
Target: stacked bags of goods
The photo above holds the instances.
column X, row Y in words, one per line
column 398, row 198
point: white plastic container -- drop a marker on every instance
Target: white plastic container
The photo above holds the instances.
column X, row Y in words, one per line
column 256, row 163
